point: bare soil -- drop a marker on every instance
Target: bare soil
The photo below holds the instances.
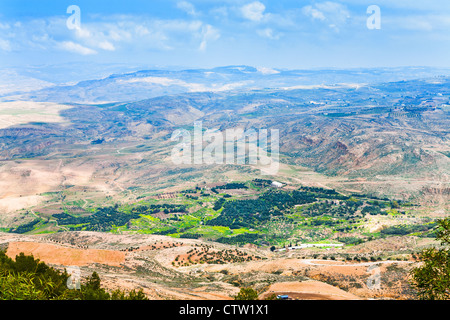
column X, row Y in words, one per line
column 59, row 255
column 308, row 290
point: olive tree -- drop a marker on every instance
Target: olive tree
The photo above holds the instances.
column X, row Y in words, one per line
column 432, row 277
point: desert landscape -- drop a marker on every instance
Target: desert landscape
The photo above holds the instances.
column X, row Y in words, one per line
column 356, row 197
column 166, row 173
column 149, row 262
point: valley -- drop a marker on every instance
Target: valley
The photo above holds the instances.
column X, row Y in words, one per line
column 363, row 178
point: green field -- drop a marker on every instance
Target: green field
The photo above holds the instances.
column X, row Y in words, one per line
column 266, row 217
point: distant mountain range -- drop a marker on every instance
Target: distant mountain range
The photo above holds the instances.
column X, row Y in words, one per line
column 335, row 121
column 146, row 84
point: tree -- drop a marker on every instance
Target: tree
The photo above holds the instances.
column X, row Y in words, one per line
column 94, row 281
column 395, row 205
column 272, row 296
column 27, row 278
column 247, row 294
column 132, row 295
column 15, row 286
column 432, row 278
column 93, row 290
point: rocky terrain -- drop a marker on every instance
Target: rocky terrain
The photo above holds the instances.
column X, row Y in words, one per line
column 101, row 148
column 377, row 132
column 138, row 261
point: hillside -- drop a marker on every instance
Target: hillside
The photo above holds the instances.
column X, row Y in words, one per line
column 99, row 86
column 385, row 130
column 87, row 178
column 147, row 264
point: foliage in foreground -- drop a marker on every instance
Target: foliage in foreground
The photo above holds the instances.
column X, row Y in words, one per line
column 246, row 294
column 432, row 278
column 27, row 278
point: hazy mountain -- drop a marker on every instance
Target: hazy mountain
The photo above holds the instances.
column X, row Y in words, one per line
column 389, row 128
column 160, row 82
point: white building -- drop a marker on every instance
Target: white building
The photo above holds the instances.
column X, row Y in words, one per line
column 276, row 184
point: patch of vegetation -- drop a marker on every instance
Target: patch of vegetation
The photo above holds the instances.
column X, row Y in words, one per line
column 155, row 208
column 251, row 213
column 247, row 294
column 232, row 185
column 432, row 279
column 261, row 183
column 204, row 254
column 268, row 217
column 166, row 232
column 403, row 230
column 104, row 219
column 445, row 153
column 27, row 227
column 350, row 240
column 240, row 239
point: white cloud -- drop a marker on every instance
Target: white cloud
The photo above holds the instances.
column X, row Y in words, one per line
column 4, row 26
column 106, row 45
column 438, row 23
column 5, row 45
column 254, row 11
column 209, row 33
column 141, row 30
column 334, row 15
column 334, row 10
column 268, row 33
column 330, row 11
column 267, row 71
column 191, row 86
column 313, row 13
column 422, row 6
column 76, row 48
column 83, row 33
column 187, row 7
column 219, row 13
column 118, row 33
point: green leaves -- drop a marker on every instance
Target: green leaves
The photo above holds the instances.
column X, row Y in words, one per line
column 19, row 287
column 27, row 278
column 247, row 294
column 443, row 233
column 432, row 278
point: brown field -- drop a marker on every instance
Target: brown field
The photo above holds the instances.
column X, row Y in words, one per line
column 59, row 255
column 308, row 290
column 20, row 112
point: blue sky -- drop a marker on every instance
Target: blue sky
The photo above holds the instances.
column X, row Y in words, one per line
column 199, row 33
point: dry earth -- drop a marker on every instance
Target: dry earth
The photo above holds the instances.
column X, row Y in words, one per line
column 146, row 261
column 21, row 112
column 308, row 290
column 59, row 255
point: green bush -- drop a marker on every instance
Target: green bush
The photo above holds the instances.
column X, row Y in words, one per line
column 247, row 294
column 27, row 278
column 432, row 279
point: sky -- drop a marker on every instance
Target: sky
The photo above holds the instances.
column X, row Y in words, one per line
column 286, row 34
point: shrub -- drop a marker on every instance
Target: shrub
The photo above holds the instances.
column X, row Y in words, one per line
column 246, row 294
